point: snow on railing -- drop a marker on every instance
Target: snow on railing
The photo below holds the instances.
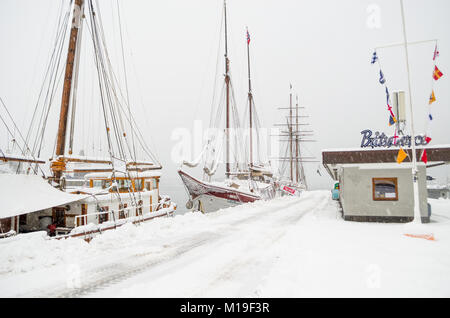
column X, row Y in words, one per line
column 81, row 220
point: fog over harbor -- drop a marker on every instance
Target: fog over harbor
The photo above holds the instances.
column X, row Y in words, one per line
column 174, row 59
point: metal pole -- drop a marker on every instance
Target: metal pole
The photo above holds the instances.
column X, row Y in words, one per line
column 250, row 100
column 417, row 216
column 227, row 81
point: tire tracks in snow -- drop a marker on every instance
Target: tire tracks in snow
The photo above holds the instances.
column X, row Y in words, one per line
column 106, row 276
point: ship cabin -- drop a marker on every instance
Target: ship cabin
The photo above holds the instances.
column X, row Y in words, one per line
column 136, row 182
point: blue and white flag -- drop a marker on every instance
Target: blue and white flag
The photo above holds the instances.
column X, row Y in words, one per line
column 382, row 79
column 387, row 95
column 374, row 57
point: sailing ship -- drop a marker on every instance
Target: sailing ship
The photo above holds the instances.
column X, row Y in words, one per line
column 291, row 178
column 247, row 179
column 83, row 195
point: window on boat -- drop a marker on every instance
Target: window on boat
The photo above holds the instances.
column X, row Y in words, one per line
column 106, row 184
column 23, row 219
column 385, row 189
column 121, row 211
column 155, row 184
column 97, row 183
column 103, row 216
column 148, row 185
column 138, row 184
column 140, row 204
column 124, row 185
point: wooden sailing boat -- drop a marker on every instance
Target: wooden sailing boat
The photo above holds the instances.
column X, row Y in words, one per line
column 243, row 183
column 115, row 190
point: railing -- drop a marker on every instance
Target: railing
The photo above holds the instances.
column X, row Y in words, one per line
column 81, row 220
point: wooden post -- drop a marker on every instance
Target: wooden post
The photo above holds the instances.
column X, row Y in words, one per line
column 65, row 100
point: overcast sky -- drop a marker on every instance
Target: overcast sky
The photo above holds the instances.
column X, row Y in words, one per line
column 322, row 47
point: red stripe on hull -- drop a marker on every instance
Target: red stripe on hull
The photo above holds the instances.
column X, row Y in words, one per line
column 197, row 188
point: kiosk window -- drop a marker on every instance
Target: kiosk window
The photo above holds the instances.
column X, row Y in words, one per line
column 385, row 189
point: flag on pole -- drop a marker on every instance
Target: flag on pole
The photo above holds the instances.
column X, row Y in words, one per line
column 424, row 156
column 374, row 57
column 432, row 98
column 436, row 53
column 437, row 74
column 382, row 79
column 248, row 37
column 401, row 155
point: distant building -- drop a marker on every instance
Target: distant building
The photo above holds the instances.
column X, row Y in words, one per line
column 438, row 191
column 373, row 187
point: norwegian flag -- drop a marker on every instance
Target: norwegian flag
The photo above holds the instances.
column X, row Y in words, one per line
column 248, row 37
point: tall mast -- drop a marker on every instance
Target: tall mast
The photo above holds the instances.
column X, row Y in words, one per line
column 67, row 88
column 290, row 132
column 250, row 100
column 296, row 142
column 227, row 82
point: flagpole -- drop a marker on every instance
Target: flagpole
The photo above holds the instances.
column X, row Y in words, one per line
column 417, row 216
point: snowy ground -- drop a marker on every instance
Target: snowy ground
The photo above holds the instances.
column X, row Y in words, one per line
column 289, row 247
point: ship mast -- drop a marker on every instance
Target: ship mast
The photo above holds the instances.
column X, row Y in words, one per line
column 67, row 88
column 227, row 82
column 290, row 135
column 296, row 143
column 250, row 100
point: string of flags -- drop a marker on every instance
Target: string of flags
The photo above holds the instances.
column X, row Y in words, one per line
column 382, row 80
column 437, row 74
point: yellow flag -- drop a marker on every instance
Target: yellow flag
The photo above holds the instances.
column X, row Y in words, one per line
column 401, row 155
column 432, row 98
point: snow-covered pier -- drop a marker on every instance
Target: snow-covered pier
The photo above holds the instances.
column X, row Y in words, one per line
column 287, row 247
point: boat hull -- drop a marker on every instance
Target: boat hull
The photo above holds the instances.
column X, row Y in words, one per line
column 210, row 198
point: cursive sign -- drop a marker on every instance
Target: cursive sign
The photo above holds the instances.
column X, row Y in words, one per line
column 381, row 140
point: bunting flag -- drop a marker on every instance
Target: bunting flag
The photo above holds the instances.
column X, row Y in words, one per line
column 437, row 74
column 432, row 98
column 401, row 155
column 436, row 53
column 374, row 57
column 430, row 116
column 392, row 120
column 424, row 156
column 382, row 79
column 387, row 95
column 427, row 139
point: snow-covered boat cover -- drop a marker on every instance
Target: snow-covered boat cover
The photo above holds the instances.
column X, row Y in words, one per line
column 21, row 194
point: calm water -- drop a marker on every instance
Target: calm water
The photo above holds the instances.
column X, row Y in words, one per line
column 175, row 189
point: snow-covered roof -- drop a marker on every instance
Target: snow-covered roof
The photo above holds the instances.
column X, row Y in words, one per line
column 381, row 149
column 23, row 194
column 134, row 174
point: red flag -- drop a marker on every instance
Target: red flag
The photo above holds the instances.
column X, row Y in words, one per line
column 424, row 156
column 427, row 139
column 437, row 74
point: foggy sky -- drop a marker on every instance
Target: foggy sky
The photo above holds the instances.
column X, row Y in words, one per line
column 322, row 47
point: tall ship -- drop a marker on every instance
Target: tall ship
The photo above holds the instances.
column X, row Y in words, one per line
column 248, row 177
column 294, row 133
column 101, row 188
